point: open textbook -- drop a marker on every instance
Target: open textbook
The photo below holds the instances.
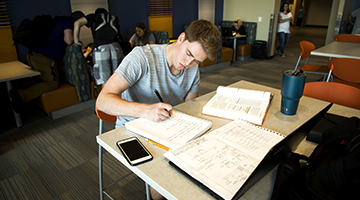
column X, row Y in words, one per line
column 172, row 132
column 235, row 103
column 223, row 159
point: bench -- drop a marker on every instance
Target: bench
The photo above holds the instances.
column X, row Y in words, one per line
column 244, row 51
column 76, row 90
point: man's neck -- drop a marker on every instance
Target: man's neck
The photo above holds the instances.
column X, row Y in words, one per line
column 170, row 58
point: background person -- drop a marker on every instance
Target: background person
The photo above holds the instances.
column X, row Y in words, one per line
column 142, row 36
column 47, row 60
column 300, row 17
column 237, row 29
column 285, row 18
column 356, row 15
column 107, row 53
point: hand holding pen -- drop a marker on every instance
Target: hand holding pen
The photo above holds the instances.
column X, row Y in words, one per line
column 162, row 101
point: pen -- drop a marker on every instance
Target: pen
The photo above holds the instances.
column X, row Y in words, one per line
column 161, row 100
column 157, row 144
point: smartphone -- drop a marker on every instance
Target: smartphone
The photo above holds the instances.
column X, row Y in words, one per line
column 134, row 151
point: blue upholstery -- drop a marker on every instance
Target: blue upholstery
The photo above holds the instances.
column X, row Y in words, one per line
column 250, row 29
column 161, row 37
column 74, row 71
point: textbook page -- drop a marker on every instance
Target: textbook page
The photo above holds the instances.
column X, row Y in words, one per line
column 172, row 132
column 223, row 159
column 236, row 103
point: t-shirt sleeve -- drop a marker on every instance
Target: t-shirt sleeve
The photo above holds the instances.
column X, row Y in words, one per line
column 151, row 37
column 90, row 19
column 133, row 38
column 133, row 66
column 68, row 23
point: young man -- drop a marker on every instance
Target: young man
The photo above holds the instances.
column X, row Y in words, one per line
column 107, row 53
column 167, row 68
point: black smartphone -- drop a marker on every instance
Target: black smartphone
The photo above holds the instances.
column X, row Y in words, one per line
column 134, row 151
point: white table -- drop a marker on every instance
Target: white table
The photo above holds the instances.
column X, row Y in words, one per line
column 234, row 47
column 15, row 70
column 339, row 50
column 173, row 185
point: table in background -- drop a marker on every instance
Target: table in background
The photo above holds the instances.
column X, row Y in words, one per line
column 339, row 50
column 234, row 47
column 12, row 71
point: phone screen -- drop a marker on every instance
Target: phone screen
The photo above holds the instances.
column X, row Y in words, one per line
column 134, row 151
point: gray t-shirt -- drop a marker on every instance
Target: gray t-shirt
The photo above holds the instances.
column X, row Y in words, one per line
column 145, row 69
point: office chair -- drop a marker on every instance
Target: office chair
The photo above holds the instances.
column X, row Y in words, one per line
column 345, row 70
column 337, row 93
column 306, row 49
column 347, row 38
column 109, row 118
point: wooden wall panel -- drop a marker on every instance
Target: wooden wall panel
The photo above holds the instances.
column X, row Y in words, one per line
column 161, row 23
column 7, row 49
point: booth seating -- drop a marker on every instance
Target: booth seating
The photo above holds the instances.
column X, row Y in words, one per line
column 244, row 51
column 161, row 37
column 223, row 58
column 76, row 91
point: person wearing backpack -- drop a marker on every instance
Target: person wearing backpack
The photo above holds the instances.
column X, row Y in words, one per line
column 46, row 60
column 107, row 53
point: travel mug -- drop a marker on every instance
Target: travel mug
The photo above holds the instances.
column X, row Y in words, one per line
column 291, row 90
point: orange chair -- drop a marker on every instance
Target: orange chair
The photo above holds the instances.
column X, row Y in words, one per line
column 337, row 93
column 306, row 49
column 345, row 70
column 347, row 38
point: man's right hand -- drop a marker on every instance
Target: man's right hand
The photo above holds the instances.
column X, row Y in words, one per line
column 159, row 112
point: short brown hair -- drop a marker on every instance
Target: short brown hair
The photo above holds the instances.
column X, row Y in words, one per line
column 207, row 34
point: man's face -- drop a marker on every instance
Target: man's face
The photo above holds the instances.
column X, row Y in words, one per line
column 188, row 54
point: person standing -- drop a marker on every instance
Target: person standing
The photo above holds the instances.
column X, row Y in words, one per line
column 300, row 17
column 285, row 18
column 356, row 14
column 142, row 36
column 47, row 60
column 107, row 53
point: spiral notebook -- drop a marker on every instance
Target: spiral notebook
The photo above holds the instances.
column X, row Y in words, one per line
column 172, row 132
column 228, row 161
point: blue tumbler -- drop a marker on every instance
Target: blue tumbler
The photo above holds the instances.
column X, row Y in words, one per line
column 291, row 90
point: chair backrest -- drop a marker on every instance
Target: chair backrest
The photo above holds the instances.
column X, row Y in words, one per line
column 346, row 69
column 103, row 116
column 347, row 38
column 306, row 49
column 337, row 93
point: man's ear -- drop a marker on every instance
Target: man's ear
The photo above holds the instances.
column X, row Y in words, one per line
column 181, row 37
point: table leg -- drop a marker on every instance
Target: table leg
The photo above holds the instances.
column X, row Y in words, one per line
column 234, row 56
column 16, row 115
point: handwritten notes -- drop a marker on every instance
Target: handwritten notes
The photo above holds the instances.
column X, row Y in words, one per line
column 172, row 132
column 223, row 159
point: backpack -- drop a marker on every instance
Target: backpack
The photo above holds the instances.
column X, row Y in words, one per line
column 32, row 34
column 331, row 172
column 104, row 28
